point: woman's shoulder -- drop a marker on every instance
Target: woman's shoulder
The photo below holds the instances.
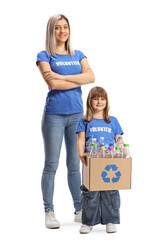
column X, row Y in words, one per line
column 43, row 53
column 79, row 54
column 43, row 56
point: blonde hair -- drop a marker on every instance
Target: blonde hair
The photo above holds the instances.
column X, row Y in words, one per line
column 50, row 44
column 96, row 92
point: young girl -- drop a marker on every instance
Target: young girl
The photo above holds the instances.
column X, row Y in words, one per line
column 98, row 206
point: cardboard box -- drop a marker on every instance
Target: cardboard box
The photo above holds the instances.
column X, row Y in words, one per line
column 102, row 174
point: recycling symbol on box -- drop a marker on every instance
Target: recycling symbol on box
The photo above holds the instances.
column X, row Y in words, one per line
column 105, row 174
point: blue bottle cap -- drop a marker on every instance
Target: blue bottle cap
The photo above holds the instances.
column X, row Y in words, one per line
column 91, row 136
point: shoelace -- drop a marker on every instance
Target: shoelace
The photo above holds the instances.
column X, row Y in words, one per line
column 51, row 214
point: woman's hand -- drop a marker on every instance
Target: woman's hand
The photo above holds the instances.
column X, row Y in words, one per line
column 84, row 158
column 52, row 75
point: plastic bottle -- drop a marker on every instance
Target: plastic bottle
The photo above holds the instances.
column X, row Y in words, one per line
column 94, row 140
column 102, row 152
column 126, row 151
column 89, row 143
column 94, row 150
column 110, row 154
column 117, row 153
column 102, row 143
column 120, row 143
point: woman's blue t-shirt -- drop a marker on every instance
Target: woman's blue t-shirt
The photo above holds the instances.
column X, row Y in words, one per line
column 99, row 128
column 63, row 101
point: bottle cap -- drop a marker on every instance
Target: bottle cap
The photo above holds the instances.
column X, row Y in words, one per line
column 119, row 137
column 102, row 148
column 117, row 148
column 111, row 148
column 126, row 145
column 94, row 144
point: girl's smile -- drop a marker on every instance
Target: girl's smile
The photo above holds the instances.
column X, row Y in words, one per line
column 98, row 103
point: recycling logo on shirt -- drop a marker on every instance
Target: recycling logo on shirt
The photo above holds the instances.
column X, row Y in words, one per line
column 106, row 174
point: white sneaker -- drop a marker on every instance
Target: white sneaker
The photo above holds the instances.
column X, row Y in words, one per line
column 85, row 229
column 111, row 228
column 50, row 220
column 78, row 216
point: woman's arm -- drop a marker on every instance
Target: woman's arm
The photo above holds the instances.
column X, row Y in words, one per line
column 54, row 83
column 87, row 75
column 81, row 147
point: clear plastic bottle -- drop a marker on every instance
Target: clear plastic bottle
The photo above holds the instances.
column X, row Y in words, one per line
column 89, row 143
column 117, row 153
column 94, row 150
column 94, row 140
column 111, row 153
column 102, row 152
column 120, row 142
column 126, row 151
column 102, row 142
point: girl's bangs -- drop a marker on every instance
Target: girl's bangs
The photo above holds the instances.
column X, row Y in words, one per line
column 97, row 94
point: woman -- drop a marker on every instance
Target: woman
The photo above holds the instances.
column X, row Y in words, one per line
column 64, row 71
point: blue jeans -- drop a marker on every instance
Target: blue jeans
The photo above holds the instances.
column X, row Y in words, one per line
column 54, row 127
column 100, row 207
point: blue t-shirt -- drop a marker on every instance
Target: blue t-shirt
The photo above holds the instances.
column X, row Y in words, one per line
column 63, row 101
column 99, row 128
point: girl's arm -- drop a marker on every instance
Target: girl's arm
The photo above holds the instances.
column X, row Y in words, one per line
column 54, row 83
column 87, row 75
column 81, row 147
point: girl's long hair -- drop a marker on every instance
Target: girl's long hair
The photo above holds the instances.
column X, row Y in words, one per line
column 96, row 92
column 50, row 44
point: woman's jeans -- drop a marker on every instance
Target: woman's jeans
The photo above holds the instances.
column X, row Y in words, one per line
column 100, row 207
column 54, row 127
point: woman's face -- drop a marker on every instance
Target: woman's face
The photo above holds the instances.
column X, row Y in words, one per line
column 61, row 31
column 98, row 103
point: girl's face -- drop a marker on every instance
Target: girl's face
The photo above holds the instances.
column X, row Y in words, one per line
column 61, row 31
column 98, row 103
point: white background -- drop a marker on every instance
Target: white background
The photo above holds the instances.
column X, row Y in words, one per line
column 121, row 40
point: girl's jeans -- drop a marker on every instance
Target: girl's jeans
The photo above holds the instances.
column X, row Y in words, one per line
column 54, row 127
column 100, row 207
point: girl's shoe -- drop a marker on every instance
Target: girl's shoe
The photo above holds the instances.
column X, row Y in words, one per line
column 85, row 229
column 78, row 216
column 50, row 220
column 111, row 228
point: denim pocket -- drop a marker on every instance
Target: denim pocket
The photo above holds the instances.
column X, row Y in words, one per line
column 115, row 199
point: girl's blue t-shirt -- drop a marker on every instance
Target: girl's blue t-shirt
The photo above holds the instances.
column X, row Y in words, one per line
column 63, row 101
column 99, row 128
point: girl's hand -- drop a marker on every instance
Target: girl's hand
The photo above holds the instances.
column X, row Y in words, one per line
column 84, row 158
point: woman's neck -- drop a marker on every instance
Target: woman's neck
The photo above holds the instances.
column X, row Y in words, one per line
column 61, row 49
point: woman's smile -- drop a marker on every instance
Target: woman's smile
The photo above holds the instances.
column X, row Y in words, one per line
column 61, row 30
